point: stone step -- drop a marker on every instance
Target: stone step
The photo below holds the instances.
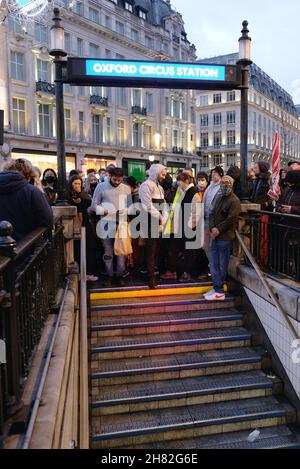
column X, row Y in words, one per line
column 168, row 304
column 143, row 291
column 168, row 322
column 280, row 437
column 175, row 366
column 130, row 398
column 162, row 344
column 189, row 422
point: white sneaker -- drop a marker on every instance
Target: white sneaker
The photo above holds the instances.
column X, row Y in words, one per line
column 209, row 293
column 215, row 297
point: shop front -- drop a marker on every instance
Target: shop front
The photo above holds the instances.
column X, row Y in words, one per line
column 44, row 160
column 96, row 163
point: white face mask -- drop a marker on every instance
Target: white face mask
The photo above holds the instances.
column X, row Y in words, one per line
column 202, row 185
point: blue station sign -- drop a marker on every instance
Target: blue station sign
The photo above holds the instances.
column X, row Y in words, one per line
column 128, row 73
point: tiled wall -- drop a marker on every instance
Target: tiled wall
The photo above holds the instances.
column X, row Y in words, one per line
column 280, row 336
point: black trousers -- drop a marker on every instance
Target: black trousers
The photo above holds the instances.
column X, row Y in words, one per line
column 152, row 249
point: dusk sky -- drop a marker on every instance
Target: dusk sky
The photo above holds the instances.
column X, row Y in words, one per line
column 214, row 27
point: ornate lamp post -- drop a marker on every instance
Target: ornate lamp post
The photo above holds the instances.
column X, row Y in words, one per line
column 58, row 52
column 244, row 62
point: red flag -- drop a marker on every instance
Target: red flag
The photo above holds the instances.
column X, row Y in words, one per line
column 274, row 192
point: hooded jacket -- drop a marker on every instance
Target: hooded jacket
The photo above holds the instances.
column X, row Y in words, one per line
column 22, row 204
column 261, row 187
column 291, row 196
column 151, row 192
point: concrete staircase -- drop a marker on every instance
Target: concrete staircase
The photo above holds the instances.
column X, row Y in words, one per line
column 170, row 370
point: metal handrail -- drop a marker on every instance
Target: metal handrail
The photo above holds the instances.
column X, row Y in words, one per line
column 84, row 383
column 267, row 286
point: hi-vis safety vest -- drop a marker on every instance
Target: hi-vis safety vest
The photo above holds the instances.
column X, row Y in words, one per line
column 169, row 226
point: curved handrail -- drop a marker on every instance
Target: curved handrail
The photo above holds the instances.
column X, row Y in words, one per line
column 267, row 286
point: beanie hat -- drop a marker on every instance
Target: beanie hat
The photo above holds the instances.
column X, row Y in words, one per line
column 234, row 172
column 264, row 166
column 218, row 170
column 293, row 177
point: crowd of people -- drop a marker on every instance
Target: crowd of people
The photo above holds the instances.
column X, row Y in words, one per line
column 178, row 230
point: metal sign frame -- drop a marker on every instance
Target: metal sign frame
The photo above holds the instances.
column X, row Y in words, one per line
column 76, row 74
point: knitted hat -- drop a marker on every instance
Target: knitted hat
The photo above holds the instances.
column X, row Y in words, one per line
column 264, row 166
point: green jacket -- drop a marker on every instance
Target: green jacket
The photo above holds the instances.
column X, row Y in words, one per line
column 224, row 216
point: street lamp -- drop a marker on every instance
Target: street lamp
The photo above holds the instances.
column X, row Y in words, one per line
column 57, row 51
column 244, row 62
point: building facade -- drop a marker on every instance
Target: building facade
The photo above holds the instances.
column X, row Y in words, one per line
column 127, row 127
column 271, row 109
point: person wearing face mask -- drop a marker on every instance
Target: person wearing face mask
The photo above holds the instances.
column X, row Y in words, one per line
column 50, row 184
column 202, row 184
column 223, row 219
column 91, row 184
column 111, row 201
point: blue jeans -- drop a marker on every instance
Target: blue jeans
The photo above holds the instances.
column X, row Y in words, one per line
column 108, row 258
column 219, row 256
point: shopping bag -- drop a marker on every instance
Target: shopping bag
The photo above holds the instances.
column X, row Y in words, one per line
column 122, row 245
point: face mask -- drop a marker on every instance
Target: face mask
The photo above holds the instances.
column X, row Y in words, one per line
column 202, row 185
column 93, row 185
column 50, row 179
column 226, row 190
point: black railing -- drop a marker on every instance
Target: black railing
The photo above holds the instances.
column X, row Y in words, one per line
column 30, row 273
column 139, row 110
column 178, row 150
column 45, row 87
column 275, row 242
column 98, row 100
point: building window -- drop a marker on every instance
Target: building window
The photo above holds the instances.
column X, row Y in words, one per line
column 142, row 15
column 204, row 120
column 42, row 70
column 175, row 139
column 14, row 26
column 108, row 53
column 231, row 117
column 217, row 160
column 136, row 135
column 230, row 137
column 18, row 115
column 108, row 22
column 204, row 139
column 79, row 8
column 148, row 139
column 166, row 138
column 81, row 125
column 81, row 91
column 68, row 131
column 230, row 96
column 167, row 106
column 136, row 97
column 204, row 162
column 41, row 33
column 94, row 51
column 79, row 46
column 193, row 115
column 97, row 129
column 149, row 102
column 149, row 42
column 204, row 100
column 121, row 132
column 128, row 6
column 175, row 108
column 217, row 98
column 67, row 42
column 217, row 139
column 45, row 120
column 217, row 118
column 121, row 96
column 109, row 136
column 231, row 159
column 181, row 110
column 17, row 66
column 120, row 28
column 135, row 35
column 94, row 15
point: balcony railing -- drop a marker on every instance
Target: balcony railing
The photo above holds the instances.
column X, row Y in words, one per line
column 30, row 274
column 97, row 100
column 45, row 87
column 178, row 150
column 142, row 111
